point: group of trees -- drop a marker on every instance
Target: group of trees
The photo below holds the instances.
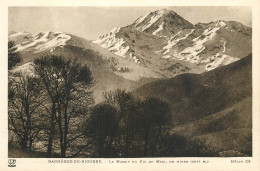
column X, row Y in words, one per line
column 47, row 107
column 125, row 126
column 52, row 110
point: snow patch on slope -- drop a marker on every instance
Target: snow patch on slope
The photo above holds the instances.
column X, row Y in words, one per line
column 153, row 19
column 221, row 23
column 107, row 36
column 160, row 28
column 139, row 20
column 173, row 41
column 117, row 47
column 134, row 58
column 39, row 38
column 224, row 47
column 193, row 53
column 112, row 43
column 42, row 41
column 60, row 40
column 219, row 60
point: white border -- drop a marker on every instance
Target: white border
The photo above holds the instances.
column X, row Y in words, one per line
column 214, row 163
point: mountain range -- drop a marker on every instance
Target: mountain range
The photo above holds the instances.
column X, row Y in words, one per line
column 204, row 71
column 164, row 37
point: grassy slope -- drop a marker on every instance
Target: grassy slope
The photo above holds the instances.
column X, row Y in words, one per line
column 194, row 96
column 230, row 129
column 215, row 106
column 234, row 117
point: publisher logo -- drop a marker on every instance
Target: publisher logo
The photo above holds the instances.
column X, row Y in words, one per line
column 11, row 163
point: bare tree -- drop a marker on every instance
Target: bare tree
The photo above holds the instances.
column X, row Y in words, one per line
column 66, row 83
column 127, row 107
column 45, row 71
column 23, row 111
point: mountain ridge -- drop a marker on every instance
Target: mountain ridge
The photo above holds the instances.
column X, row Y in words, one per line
column 207, row 45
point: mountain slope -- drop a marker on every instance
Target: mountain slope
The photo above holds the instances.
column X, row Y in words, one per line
column 110, row 71
column 32, row 46
column 164, row 37
column 194, row 96
column 228, row 131
column 215, row 106
column 158, row 45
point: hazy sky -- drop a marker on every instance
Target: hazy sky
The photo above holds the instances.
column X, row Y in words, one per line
column 91, row 22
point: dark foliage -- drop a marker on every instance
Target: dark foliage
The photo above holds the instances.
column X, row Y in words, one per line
column 13, row 57
column 155, row 118
column 124, row 126
column 103, row 128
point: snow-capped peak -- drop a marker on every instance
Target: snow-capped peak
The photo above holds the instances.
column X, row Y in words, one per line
column 151, row 20
column 163, row 23
column 173, row 37
column 165, row 11
column 42, row 41
column 154, row 15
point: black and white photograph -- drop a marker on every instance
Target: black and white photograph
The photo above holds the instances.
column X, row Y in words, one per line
column 129, row 82
column 129, row 85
